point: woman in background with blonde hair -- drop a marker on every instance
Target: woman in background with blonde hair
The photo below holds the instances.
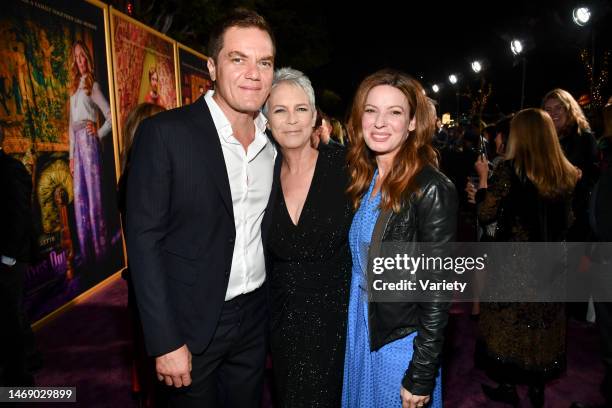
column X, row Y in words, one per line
column 580, row 148
column 529, row 196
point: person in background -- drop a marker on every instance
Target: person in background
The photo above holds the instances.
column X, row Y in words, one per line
column 441, row 135
column 488, row 134
column 309, row 257
column 600, row 256
column 529, row 197
column 16, row 235
column 393, row 348
column 580, row 148
column 137, row 115
column 143, row 370
column 338, row 132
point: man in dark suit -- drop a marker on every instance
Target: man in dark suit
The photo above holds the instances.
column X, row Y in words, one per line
column 15, row 246
column 199, row 186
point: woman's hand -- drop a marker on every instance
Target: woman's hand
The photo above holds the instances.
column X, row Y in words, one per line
column 482, row 167
column 409, row 400
column 470, row 189
column 91, row 129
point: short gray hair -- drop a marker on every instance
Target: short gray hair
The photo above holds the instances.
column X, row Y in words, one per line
column 294, row 77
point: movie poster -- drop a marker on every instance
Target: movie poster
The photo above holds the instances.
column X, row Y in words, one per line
column 144, row 69
column 195, row 79
column 56, row 111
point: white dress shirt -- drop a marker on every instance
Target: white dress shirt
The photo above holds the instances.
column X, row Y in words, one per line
column 250, row 177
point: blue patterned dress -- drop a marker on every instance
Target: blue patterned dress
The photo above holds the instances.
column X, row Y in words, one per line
column 372, row 379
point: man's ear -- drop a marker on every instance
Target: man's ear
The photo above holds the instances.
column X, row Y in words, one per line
column 211, row 69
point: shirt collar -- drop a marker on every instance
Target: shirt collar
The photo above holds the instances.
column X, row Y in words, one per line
column 223, row 125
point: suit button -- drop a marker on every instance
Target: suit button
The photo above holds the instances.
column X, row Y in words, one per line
column 231, row 240
column 227, row 273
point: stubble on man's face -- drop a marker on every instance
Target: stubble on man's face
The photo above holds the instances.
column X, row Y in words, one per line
column 244, row 69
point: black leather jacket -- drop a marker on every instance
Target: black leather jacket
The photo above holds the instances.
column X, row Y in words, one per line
column 430, row 216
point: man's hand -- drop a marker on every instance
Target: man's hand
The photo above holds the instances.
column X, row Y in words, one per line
column 409, row 400
column 71, row 162
column 174, row 368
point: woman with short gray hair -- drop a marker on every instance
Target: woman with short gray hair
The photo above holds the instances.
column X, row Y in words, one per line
column 307, row 251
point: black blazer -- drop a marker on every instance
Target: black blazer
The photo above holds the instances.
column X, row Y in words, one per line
column 180, row 227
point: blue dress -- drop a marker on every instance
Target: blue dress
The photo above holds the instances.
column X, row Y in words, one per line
column 372, row 379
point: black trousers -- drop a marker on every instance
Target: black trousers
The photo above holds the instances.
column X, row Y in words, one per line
column 229, row 373
column 13, row 364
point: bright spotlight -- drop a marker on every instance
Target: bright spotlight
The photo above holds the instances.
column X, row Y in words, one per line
column 452, row 78
column 581, row 15
column 516, row 46
column 435, row 88
column 476, row 66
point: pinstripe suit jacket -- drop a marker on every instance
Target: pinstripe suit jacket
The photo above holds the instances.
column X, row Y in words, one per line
column 180, row 227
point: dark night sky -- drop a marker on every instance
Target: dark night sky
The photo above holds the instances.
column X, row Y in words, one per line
column 434, row 39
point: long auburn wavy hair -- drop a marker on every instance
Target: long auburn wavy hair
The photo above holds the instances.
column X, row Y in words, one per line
column 534, row 147
column 575, row 115
column 74, row 69
column 415, row 153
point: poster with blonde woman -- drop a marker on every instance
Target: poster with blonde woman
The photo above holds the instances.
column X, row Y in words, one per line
column 86, row 102
column 55, row 110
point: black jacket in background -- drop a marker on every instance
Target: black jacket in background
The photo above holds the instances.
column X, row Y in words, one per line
column 16, row 232
column 581, row 150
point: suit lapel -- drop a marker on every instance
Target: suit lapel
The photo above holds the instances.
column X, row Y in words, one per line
column 209, row 148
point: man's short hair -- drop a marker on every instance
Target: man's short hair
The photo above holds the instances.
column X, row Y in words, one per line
column 239, row 17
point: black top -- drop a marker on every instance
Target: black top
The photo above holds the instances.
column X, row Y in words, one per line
column 525, row 215
column 309, row 279
column 581, row 150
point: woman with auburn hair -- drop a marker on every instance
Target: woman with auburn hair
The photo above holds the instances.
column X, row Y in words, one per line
column 86, row 102
column 393, row 347
column 529, row 197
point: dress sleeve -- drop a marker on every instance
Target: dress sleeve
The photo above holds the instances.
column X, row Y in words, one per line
column 102, row 103
column 499, row 186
